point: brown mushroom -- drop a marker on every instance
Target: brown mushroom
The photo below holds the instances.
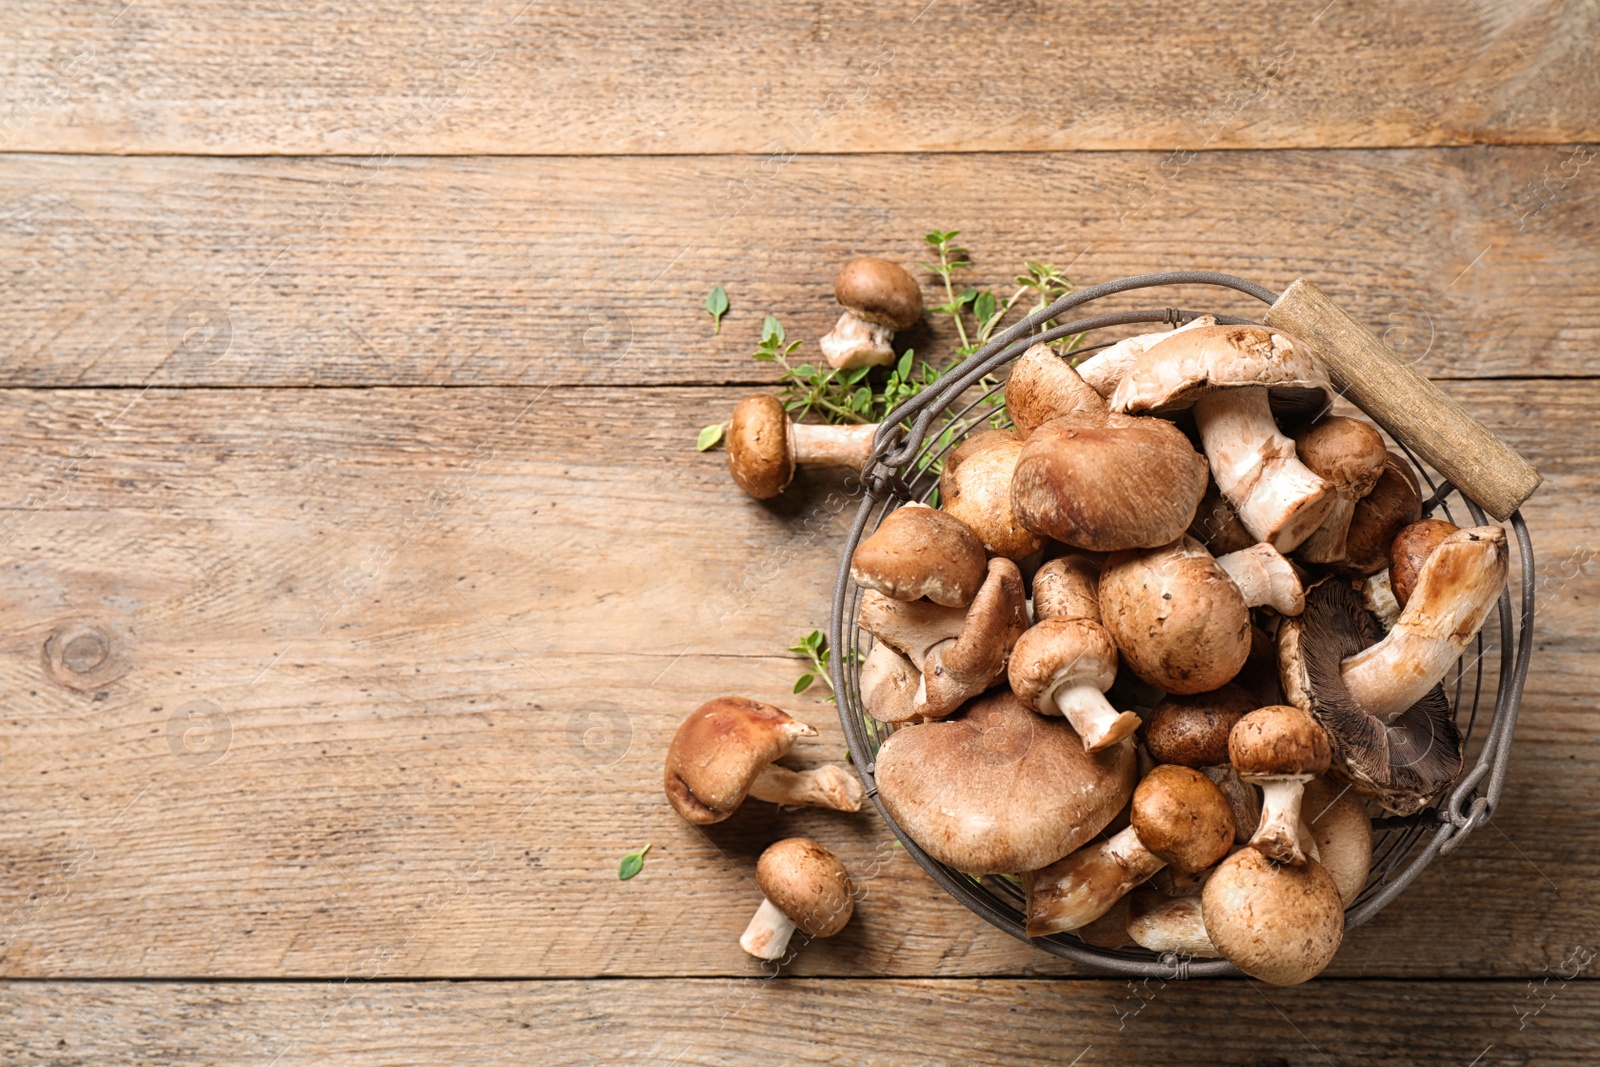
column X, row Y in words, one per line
column 889, row 685
column 1063, row 666
column 1393, row 503
column 765, row 446
column 1342, row 833
column 918, row 552
column 1349, row 455
column 1410, row 550
column 724, row 751
column 1216, row 525
column 975, row 487
column 1067, row 587
column 1192, row 730
column 1106, row 368
column 1279, row 748
column 804, row 887
column 879, row 299
column 1265, row 579
column 1279, row 923
column 1043, row 386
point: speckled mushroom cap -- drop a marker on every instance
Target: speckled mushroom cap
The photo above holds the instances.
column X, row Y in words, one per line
column 999, row 789
column 1067, row 587
column 1278, row 739
column 1393, row 504
column 975, row 487
column 1106, row 482
column 1176, row 371
column 918, row 552
column 1347, row 452
column 1044, row 386
column 808, row 884
column 720, row 749
column 1176, row 616
column 1059, row 647
column 759, row 456
column 1282, row 924
column 1411, row 548
column 1403, row 764
column 879, row 291
column 1192, row 731
column 1182, row 817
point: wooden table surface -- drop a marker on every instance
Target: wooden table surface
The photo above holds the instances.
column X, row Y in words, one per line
column 357, row 564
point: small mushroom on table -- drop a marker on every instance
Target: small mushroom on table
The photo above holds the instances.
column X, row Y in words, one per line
column 919, row 552
column 1178, row 817
column 1350, row 456
column 725, row 751
column 879, row 299
column 1279, row 748
column 975, row 487
column 804, row 887
column 1276, row 922
column 765, row 446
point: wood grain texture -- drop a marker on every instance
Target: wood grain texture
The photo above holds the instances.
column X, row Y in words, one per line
column 453, row 76
column 800, row 1021
column 512, row 272
column 335, row 682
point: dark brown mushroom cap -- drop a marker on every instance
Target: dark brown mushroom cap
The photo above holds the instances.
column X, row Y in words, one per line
column 808, row 884
column 1346, row 452
column 1217, row 526
column 1044, row 386
column 759, row 457
column 1108, row 482
column 1278, row 739
column 1182, row 817
column 1393, row 504
column 1067, row 587
column 1176, row 616
column 918, row 552
column 975, row 487
column 879, row 291
column 1403, row 764
column 1411, row 548
column 720, row 749
column 1192, row 731
column 999, row 789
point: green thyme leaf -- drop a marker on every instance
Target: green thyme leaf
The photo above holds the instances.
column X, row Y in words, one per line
column 632, row 863
column 710, row 437
column 717, row 305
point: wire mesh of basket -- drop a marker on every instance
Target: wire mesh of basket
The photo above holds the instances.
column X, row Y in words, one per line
column 904, row 466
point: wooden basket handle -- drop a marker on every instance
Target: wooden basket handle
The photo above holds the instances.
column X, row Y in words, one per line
column 1409, row 406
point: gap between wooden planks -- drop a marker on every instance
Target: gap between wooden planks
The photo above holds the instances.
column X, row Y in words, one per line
column 387, row 675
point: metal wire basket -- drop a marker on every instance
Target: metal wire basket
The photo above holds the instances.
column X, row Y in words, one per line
column 904, row 467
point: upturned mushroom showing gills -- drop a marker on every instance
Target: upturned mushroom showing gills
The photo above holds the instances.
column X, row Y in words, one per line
column 724, row 751
column 1279, row 923
column 1106, row 482
column 975, row 487
column 1044, row 386
column 804, row 887
column 918, row 552
column 998, row 789
column 765, row 446
column 1401, row 763
column 1063, row 666
column 1455, row 590
column 1350, row 456
column 1280, row 749
column 1228, row 375
column 1177, row 617
column 1178, row 818
column 1265, row 579
column 879, row 299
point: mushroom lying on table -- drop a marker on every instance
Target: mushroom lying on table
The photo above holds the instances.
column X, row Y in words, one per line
column 975, row 487
column 1276, row 922
column 918, row 552
column 879, row 299
column 724, row 751
column 804, row 887
column 1279, row 748
column 765, row 446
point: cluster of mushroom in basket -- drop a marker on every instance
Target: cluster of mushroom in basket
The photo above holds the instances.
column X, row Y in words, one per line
column 1160, row 652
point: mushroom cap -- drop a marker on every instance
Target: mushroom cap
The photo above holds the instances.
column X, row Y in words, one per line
column 919, row 552
column 1403, row 764
column 1342, row 831
column 1061, row 651
column 1192, row 730
column 1410, row 550
column 998, row 789
column 889, row 685
column 759, row 457
column 720, row 749
column 1067, row 587
column 1108, row 482
column 1380, row 515
column 1279, row 923
column 1278, row 740
column 1347, row 452
column 975, row 487
column 1182, row 817
column 879, row 291
column 1217, row 525
column 1187, row 364
column 954, row 673
column 1044, row 386
column 1176, row 616
column 808, row 884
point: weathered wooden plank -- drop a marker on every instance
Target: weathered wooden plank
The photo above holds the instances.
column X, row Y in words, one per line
column 805, row 1021
column 328, row 682
column 450, row 76
column 172, row 271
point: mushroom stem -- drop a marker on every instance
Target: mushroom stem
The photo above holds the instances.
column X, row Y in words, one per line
column 1326, row 544
column 1455, row 591
column 1094, row 717
column 1105, row 368
column 1377, row 596
column 1243, row 800
column 831, row 446
column 1076, row 891
column 1278, row 498
column 854, row 342
column 767, row 936
column 828, row 786
column 1278, row 835
column 1265, row 578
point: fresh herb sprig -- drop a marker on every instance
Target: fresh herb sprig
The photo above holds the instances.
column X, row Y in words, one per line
column 814, row 648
